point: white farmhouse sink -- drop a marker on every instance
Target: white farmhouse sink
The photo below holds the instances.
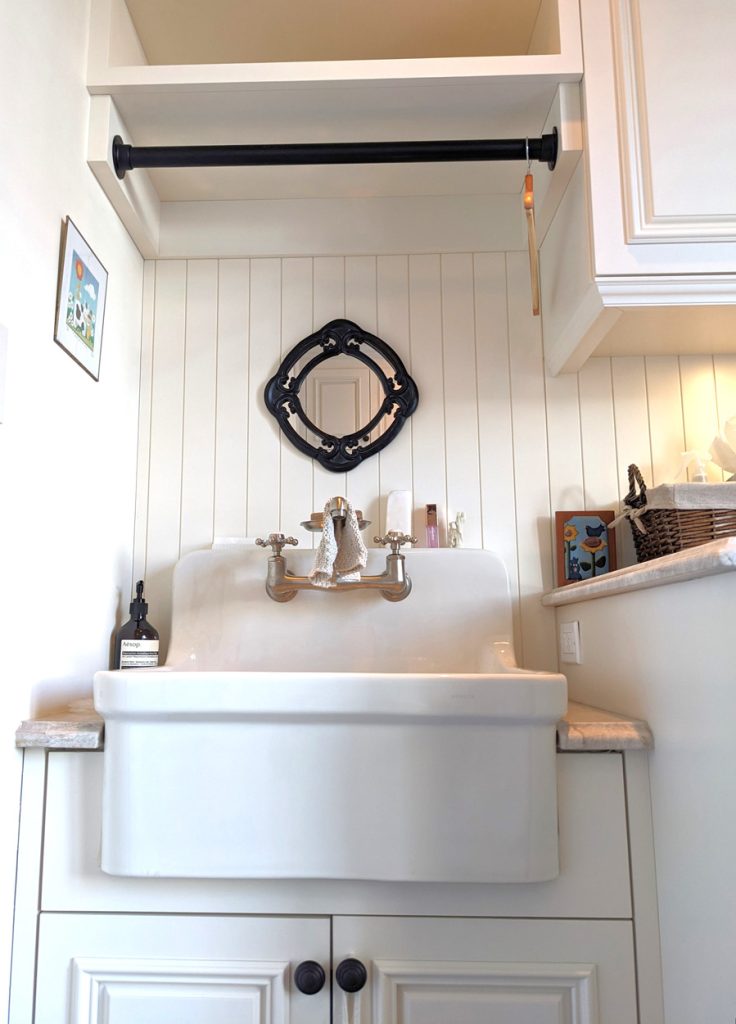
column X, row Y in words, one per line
column 336, row 736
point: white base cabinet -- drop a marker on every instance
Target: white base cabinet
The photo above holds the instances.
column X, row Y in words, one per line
column 460, row 971
column 170, row 969
column 91, row 948
column 153, row 969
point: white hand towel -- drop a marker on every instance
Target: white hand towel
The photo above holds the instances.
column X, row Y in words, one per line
column 351, row 551
column 322, row 574
column 339, row 561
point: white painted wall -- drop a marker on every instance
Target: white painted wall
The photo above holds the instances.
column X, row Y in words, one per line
column 68, row 444
column 666, row 655
column 492, row 437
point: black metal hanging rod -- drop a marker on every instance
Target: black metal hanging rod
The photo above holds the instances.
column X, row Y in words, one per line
column 127, row 158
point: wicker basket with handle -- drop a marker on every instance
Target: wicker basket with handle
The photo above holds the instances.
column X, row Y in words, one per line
column 662, row 531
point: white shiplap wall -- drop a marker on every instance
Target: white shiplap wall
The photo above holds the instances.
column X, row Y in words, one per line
column 493, row 436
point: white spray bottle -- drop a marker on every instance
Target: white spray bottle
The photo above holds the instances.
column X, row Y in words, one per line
column 697, row 460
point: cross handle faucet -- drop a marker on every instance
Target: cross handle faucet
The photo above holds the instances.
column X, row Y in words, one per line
column 395, row 539
column 276, row 541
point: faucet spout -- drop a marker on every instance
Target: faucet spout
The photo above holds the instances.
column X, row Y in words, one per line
column 338, row 508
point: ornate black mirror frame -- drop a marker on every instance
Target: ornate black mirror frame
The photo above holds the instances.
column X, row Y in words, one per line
column 341, row 337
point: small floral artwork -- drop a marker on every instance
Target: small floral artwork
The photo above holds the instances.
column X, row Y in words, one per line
column 585, row 546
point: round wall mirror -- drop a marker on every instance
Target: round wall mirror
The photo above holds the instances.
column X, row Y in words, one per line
column 341, row 395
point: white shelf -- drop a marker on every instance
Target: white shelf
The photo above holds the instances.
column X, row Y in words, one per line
column 320, row 101
column 711, row 559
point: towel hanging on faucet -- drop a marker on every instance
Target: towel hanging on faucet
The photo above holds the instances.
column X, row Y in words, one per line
column 341, row 556
column 351, row 551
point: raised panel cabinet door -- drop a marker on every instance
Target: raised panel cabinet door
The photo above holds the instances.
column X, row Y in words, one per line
column 658, row 101
column 482, row 971
column 674, row 66
column 159, row 969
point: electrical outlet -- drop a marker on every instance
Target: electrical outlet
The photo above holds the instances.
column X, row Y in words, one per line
column 570, row 651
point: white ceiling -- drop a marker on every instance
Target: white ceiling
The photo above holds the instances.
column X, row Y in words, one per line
column 243, row 31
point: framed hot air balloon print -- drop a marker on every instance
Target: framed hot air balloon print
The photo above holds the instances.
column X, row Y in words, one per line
column 80, row 303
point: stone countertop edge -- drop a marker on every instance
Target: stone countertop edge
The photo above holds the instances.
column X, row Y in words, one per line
column 583, row 728
column 593, row 729
column 711, row 559
column 75, row 727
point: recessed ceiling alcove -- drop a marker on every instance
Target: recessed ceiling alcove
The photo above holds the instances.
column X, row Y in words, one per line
column 177, row 73
column 245, row 31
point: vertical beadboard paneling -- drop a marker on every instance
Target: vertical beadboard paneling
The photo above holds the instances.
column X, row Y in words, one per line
column 534, row 545
column 512, row 445
column 666, row 429
column 392, row 287
column 140, row 529
column 329, row 304
column 600, row 476
column 362, row 485
column 700, row 411
column 632, row 436
column 264, row 442
column 200, row 394
column 494, row 403
column 360, row 291
column 495, row 431
column 428, row 422
column 297, row 478
column 725, row 371
column 233, row 398
column 329, row 289
column 564, row 450
column 461, row 394
column 167, row 401
column 632, row 417
column 564, row 443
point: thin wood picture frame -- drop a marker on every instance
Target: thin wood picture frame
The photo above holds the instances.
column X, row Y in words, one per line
column 585, row 545
column 80, row 300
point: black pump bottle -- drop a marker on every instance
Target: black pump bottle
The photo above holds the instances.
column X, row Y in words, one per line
column 136, row 645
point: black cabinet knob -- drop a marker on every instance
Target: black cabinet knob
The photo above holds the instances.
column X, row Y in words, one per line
column 309, row 977
column 351, row 975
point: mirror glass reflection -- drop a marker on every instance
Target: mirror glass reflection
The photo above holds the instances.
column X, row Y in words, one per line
column 341, row 396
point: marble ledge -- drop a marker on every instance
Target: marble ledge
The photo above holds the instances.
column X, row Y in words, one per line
column 583, row 728
column 587, row 728
column 712, row 559
column 76, row 727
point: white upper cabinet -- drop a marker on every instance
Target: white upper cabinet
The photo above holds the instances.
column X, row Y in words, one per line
column 642, row 254
column 672, row 63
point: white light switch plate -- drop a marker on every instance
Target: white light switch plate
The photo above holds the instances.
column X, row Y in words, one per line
column 570, row 651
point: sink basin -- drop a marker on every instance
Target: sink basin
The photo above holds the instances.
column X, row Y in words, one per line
column 337, row 736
